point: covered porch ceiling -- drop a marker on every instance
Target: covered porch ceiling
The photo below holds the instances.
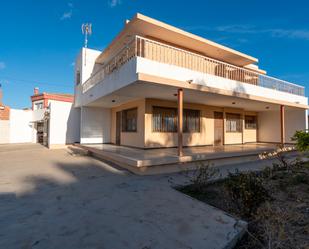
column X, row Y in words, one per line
column 141, row 89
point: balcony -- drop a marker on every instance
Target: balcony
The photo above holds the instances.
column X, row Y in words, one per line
column 163, row 53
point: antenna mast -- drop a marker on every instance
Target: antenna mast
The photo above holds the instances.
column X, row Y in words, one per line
column 86, row 30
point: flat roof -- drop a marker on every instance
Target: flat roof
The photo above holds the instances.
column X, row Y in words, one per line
column 151, row 28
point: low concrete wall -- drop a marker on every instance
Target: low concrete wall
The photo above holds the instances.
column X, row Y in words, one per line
column 4, row 131
column 21, row 126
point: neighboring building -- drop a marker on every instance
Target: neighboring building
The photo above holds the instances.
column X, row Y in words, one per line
column 4, row 121
column 128, row 93
column 15, row 126
column 41, row 105
column 52, row 121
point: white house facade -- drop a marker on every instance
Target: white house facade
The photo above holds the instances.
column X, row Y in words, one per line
column 156, row 86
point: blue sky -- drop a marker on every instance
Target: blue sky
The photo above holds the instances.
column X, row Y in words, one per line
column 40, row 39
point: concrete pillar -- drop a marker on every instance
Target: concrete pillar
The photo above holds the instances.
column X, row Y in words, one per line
column 180, row 122
column 282, row 124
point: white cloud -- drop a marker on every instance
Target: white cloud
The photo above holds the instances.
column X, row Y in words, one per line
column 273, row 32
column 2, row 65
column 68, row 14
column 114, row 3
column 247, row 29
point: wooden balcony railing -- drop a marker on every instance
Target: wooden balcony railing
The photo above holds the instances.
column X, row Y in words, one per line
column 163, row 53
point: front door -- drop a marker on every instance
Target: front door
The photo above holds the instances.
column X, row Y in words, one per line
column 118, row 127
column 40, row 132
column 218, row 132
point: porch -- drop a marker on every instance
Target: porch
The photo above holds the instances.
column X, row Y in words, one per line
column 166, row 160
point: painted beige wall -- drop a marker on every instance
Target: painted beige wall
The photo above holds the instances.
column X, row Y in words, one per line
column 146, row 138
column 295, row 120
column 161, row 139
column 269, row 126
column 232, row 137
column 250, row 135
column 135, row 139
column 204, row 137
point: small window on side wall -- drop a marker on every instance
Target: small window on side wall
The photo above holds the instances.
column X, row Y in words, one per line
column 250, row 122
column 129, row 120
column 77, row 77
column 38, row 106
column 233, row 122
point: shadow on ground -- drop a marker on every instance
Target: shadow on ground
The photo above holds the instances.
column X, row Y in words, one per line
column 50, row 199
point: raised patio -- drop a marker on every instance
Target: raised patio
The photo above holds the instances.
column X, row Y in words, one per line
column 166, row 160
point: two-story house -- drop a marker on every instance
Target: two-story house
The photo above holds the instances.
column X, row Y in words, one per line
column 158, row 86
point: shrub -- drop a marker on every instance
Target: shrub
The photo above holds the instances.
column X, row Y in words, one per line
column 282, row 163
column 273, row 226
column 302, row 140
column 299, row 178
column 202, row 175
column 246, row 191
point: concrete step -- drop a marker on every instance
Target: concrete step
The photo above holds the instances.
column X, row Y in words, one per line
column 171, row 163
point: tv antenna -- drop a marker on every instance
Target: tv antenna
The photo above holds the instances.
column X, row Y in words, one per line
column 87, row 31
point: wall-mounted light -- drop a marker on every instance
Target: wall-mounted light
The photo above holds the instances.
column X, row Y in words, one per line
column 189, row 81
column 267, row 107
column 233, row 103
column 175, row 94
column 113, row 101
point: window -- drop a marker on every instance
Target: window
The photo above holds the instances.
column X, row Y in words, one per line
column 233, row 122
column 250, row 122
column 129, row 120
column 191, row 120
column 165, row 119
column 38, row 105
column 77, row 77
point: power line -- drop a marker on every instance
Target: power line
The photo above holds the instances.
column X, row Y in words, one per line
column 32, row 82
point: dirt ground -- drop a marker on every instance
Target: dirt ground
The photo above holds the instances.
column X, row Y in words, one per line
column 284, row 216
column 53, row 199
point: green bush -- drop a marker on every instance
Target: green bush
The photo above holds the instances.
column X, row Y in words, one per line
column 201, row 177
column 246, row 191
column 302, row 140
column 299, row 178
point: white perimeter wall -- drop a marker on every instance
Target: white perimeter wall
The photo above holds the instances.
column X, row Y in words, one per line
column 95, row 125
column 21, row 126
column 4, row 131
column 269, row 127
column 64, row 124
